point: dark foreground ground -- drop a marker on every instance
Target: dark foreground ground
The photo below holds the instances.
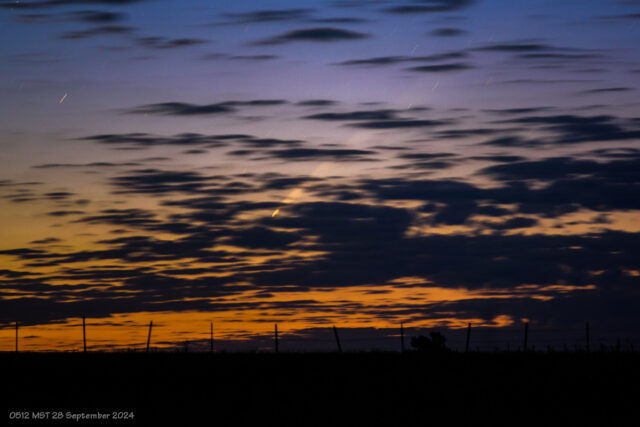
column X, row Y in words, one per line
column 323, row 389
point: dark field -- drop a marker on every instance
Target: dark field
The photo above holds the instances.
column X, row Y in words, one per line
column 325, row 388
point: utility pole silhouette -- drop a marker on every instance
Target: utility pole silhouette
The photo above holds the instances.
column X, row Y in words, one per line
column 149, row 336
column 587, row 336
column 276, row 336
column 402, row 337
column 335, row 332
column 466, row 347
column 211, row 339
column 526, row 335
column 16, row 336
column 84, row 335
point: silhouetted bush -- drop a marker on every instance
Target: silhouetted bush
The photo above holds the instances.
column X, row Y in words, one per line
column 435, row 343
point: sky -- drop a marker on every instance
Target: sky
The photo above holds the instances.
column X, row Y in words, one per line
column 360, row 163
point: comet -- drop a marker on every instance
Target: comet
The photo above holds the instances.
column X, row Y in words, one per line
column 298, row 191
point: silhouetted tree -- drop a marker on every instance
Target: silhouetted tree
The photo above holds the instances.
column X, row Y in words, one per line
column 432, row 344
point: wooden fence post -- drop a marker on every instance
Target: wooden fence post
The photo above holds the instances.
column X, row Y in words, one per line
column 149, row 336
column 84, row 335
column 587, row 336
column 335, row 332
column 466, row 347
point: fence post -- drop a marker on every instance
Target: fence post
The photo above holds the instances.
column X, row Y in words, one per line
column 84, row 335
column 149, row 336
column 466, row 347
column 276, row 337
column 16, row 336
column 402, row 337
column 526, row 335
column 211, row 339
column 587, row 333
column 335, row 332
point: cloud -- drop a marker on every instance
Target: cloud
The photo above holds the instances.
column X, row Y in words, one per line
column 554, row 168
column 376, row 119
column 155, row 182
column 121, row 217
column 357, row 3
column 261, row 237
column 98, row 31
column 528, row 110
column 426, row 156
column 54, row 3
column 85, row 165
column 182, row 109
column 570, row 185
column 464, row 133
column 361, row 243
column 441, row 68
column 448, row 32
column 355, row 115
column 430, row 6
column 64, row 213
column 621, row 17
column 97, row 16
column 148, row 140
column 323, row 154
column 558, row 56
column 260, row 16
column 87, row 16
column 608, row 90
column 456, row 212
column 339, row 20
column 269, row 142
column 546, row 81
column 11, row 183
column 512, row 223
column 380, row 60
column 45, row 241
column 284, row 182
column 390, row 60
column 512, row 141
column 225, row 56
column 168, row 43
column 185, row 109
column 253, row 57
column 571, row 129
column 542, row 53
column 430, row 165
column 256, row 103
column 398, row 124
column 317, row 103
column 320, row 34
column 616, row 153
column 58, row 195
column 499, row 158
column 514, row 47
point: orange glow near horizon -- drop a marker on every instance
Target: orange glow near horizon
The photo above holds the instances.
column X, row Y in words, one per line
column 354, row 307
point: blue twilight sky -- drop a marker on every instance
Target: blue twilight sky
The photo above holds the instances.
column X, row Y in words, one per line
column 365, row 162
